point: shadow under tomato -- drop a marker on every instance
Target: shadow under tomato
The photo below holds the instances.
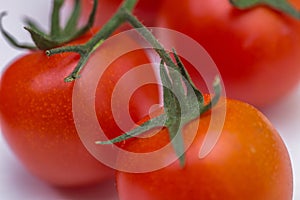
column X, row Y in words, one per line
column 105, row 191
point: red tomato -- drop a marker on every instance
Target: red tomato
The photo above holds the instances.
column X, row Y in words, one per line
column 36, row 112
column 146, row 10
column 249, row 161
column 257, row 50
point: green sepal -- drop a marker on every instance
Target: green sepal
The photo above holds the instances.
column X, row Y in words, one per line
column 11, row 39
column 280, row 5
column 55, row 19
column 180, row 107
column 41, row 41
column 86, row 50
column 173, row 94
column 33, row 25
column 187, row 79
column 175, row 133
column 146, row 126
column 58, row 36
column 74, row 18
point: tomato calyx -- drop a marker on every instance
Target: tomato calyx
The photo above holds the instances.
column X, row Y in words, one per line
column 280, row 5
column 183, row 102
column 85, row 50
column 58, row 35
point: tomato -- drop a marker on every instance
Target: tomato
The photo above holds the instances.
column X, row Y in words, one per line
column 36, row 111
column 249, row 161
column 256, row 50
column 145, row 10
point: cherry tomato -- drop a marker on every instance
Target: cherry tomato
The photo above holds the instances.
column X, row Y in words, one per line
column 249, row 161
column 146, row 10
column 256, row 50
column 36, row 112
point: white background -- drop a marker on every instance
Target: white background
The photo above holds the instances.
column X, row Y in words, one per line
column 16, row 183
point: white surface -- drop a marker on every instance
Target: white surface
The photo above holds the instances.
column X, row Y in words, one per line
column 16, row 183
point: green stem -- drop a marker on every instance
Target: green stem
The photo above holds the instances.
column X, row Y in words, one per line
column 146, row 33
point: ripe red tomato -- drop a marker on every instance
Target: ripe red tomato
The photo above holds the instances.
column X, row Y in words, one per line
column 145, row 10
column 249, row 161
column 36, row 112
column 257, row 50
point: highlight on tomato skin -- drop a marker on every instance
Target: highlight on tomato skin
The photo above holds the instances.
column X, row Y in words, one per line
column 36, row 112
column 249, row 161
column 256, row 50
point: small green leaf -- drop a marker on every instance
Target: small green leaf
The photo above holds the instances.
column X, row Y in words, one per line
column 55, row 19
column 73, row 20
column 243, row 4
column 164, row 75
column 148, row 125
column 11, row 39
column 57, row 36
column 168, row 95
column 280, row 5
column 87, row 26
column 177, row 141
column 33, row 25
column 188, row 81
column 42, row 41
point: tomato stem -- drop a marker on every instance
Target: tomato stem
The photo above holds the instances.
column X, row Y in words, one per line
column 146, row 33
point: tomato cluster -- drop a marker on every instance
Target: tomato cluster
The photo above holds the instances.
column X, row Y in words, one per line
column 257, row 52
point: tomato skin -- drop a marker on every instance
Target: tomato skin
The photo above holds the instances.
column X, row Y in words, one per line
column 256, row 50
column 145, row 10
column 249, row 161
column 36, row 115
